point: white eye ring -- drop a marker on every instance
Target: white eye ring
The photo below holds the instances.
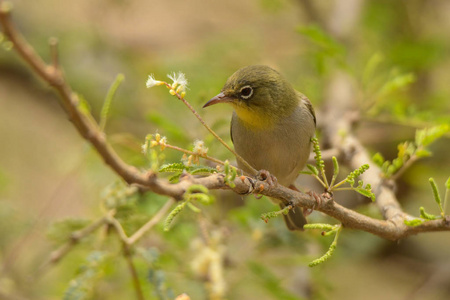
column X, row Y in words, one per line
column 249, row 94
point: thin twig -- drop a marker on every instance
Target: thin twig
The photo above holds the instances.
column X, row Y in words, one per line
column 119, row 229
column 152, row 222
column 402, row 170
column 144, row 229
column 217, row 161
column 134, row 274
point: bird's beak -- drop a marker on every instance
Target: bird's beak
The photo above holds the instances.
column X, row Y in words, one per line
column 220, row 98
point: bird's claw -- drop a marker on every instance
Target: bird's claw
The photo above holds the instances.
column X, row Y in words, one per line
column 265, row 175
column 318, row 198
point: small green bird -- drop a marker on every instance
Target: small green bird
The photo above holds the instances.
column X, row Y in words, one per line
column 271, row 127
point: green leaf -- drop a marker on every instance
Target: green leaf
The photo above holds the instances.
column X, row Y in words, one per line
column 193, row 207
column 366, row 193
column 306, row 173
column 426, row 215
column 378, row 159
column 330, row 251
column 351, row 177
column 385, row 167
column 397, row 83
column 109, row 97
column 178, row 168
column 174, row 167
column 202, row 198
column 423, row 153
column 313, row 169
column 436, row 195
column 173, row 214
column 447, row 184
column 155, row 276
column 197, row 188
column 83, row 106
column 372, row 64
column 203, row 170
column 427, row 136
column 230, row 174
column 335, row 170
column 273, row 214
column 175, row 177
column 83, row 285
column 326, row 227
column 413, row 222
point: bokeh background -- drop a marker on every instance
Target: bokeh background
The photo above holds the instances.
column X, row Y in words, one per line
column 396, row 52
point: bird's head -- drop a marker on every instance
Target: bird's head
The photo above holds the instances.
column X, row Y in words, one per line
column 259, row 95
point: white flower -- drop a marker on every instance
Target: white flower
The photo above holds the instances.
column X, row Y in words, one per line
column 144, row 148
column 199, row 148
column 151, row 81
column 179, row 80
column 163, row 142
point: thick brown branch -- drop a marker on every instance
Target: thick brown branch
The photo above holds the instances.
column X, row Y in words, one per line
column 392, row 229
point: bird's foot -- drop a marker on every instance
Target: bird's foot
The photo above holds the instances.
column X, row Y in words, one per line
column 264, row 175
column 316, row 197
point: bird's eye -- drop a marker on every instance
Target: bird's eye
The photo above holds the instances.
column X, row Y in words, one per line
column 246, row 92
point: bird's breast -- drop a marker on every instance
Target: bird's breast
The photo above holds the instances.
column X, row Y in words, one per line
column 281, row 149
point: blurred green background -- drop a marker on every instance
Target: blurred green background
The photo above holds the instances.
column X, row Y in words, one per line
column 397, row 53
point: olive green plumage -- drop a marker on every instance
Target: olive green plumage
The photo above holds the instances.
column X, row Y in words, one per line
column 271, row 126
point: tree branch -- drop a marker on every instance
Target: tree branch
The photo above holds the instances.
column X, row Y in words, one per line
column 134, row 274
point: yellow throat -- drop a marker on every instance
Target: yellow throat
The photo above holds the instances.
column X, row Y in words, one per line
column 254, row 119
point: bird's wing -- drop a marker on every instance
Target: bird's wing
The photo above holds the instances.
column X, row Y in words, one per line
column 233, row 117
column 231, row 133
column 305, row 101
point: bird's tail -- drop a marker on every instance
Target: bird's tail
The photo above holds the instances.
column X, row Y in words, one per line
column 294, row 219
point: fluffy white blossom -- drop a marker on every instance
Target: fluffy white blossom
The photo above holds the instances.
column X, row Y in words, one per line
column 151, row 81
column 180, row 82
column 199, row 148
column 144, row 148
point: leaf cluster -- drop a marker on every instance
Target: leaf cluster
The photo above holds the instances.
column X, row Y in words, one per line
column 195, row 194
column 179, row 168
column 318, row 172
column 88, row 274
column 410, row 151
column 327, row 231
column 441, row 203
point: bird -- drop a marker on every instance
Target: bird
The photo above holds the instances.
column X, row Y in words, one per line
column 271, row 127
